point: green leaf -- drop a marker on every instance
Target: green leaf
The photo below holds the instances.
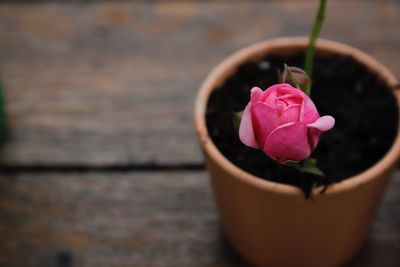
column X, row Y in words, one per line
column 309, row 166
column 237, row 117
column 312, row 170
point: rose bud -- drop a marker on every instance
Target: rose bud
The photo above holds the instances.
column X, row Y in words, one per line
column 295, row 76
column 283, row 122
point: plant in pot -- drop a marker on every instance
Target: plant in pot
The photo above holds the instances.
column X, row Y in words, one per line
column 290, row 189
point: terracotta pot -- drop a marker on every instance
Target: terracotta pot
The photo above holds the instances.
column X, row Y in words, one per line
column 272, row 224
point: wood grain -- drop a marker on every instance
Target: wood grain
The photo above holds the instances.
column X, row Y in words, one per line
column 140, row 219
column 92, row 85
column 113, row 83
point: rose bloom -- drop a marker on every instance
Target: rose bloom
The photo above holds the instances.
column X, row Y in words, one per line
column 283, row 122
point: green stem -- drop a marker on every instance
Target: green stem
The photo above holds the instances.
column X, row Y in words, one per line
column 319, row 19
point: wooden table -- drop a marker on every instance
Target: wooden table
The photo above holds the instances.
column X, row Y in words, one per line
column 102, row 166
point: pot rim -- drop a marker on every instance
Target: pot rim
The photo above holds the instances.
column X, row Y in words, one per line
column 228, row 66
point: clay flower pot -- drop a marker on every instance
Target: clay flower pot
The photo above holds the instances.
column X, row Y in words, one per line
column 272, row 224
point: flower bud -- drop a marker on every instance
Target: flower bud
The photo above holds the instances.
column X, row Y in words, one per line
column 295, row 76
column 283, row 122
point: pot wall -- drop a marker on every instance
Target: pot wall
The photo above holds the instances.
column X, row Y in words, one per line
column 272, row 229
column 272, row 224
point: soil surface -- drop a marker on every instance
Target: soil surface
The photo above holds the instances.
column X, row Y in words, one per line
column 364, row 108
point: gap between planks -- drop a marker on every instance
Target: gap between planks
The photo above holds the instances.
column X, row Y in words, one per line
column 121, row 168
column 117, row 168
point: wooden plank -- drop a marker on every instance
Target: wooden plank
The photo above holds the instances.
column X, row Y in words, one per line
column 137, row 219
column 164, row 219
column 113, row 83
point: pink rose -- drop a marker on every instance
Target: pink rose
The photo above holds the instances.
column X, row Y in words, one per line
column 283, row 122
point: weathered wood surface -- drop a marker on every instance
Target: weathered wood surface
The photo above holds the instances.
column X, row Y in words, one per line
column 113, row 83
column 140, row 219
column 94, row 86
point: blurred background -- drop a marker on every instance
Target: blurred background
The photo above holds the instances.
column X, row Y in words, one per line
column 101, row 165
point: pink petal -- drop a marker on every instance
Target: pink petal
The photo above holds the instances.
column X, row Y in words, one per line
column 265, row 120
column 291, row 114
column 323, row 124
column 291, row 99
column 293, row 95
column 310, row 112
column 313, row 137
column 255, row 94
column 269, row 95
column 286, row 89
column 246, row 132
column 288, row 142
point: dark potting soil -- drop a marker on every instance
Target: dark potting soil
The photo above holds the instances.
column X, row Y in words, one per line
column 365, row 111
